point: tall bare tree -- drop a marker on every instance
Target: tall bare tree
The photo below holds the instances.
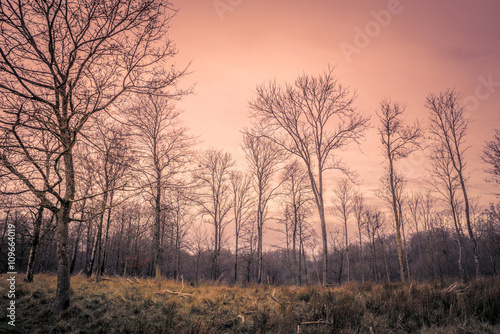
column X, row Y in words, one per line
column 343, row 207
column 373, row 221
column 242, row 204
column 181, row 218
column 448, row 126
column 398, row 142
column 446, row 183
column 297, row 198
column 163, row 146
column 312, row 119
column 415, row 203
column 358, row 209
column 107, row 163
column 214, row 196
column 263, row 157
column 61, row 62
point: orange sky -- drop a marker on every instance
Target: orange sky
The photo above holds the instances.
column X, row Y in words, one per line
column 422, row 47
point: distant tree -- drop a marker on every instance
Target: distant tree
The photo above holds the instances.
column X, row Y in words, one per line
column 249, row 250
column 490, row 228
column 342, row 208
column 213, row 196
column 414, row 209
column 448, row 125
column 312, row 120
column 48, row 148
column 297, row 198
column 61, row 62
column 242, row 205
column 358, row 209
column 491, row 155
column 263, row 157
column 107, row 167
column 373, row 221
column 163, row 148
column 398, row 142
column 180, row 220
column 446, row 183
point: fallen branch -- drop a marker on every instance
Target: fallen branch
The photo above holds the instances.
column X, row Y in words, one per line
column 319, row 322
column 273, row 299
column 177, row 293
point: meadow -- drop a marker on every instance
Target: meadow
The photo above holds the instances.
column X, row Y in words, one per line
column 130, row 305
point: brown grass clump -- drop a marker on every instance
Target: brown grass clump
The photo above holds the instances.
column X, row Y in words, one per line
column 120, row 305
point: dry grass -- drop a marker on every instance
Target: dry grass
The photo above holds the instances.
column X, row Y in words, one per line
column 119, row 305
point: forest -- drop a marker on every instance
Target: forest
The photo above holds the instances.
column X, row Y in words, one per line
column 100, row 177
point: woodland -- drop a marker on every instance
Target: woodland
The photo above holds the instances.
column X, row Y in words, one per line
column 101, row 180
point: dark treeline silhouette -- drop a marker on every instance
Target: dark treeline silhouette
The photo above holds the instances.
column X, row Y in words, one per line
column 99, row 176
column 432, row 252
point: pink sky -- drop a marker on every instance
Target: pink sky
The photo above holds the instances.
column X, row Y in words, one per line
column 423, row 47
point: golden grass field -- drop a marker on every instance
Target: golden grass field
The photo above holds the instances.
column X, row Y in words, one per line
column 121, row 305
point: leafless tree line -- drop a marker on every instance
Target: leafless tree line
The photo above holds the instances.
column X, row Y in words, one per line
column 98, row 172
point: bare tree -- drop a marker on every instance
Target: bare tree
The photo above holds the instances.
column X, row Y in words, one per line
column 163, row 147
column 398, row 142
column 214, row 196
column 491, row 155
column 446, row 183
column 343, row 207
column 297, row 198
column 180, row 220
column 448, row 126
column 373, row 221
column 242, row 204
column 263, row 157
column 415, row 203
column 48, row 149
column 311, row 119
column 107, row 163
column 61, row 62
column 358, row 209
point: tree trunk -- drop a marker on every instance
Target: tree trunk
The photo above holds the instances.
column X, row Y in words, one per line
column 396, row 220
column 34, row 245
column 61, row 301
column 236, row 258
column 98, row 253
column 347, row 250
column 475, row 251
column 108, row 223
column 361, row 255
column 386, row 263
column 63, row 278
column 157, row 230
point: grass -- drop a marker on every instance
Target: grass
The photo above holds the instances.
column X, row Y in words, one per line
column 119, row 305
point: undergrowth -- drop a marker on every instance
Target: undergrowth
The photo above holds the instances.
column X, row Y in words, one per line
column 120, row 305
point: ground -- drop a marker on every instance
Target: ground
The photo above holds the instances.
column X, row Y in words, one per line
column 129, row 305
